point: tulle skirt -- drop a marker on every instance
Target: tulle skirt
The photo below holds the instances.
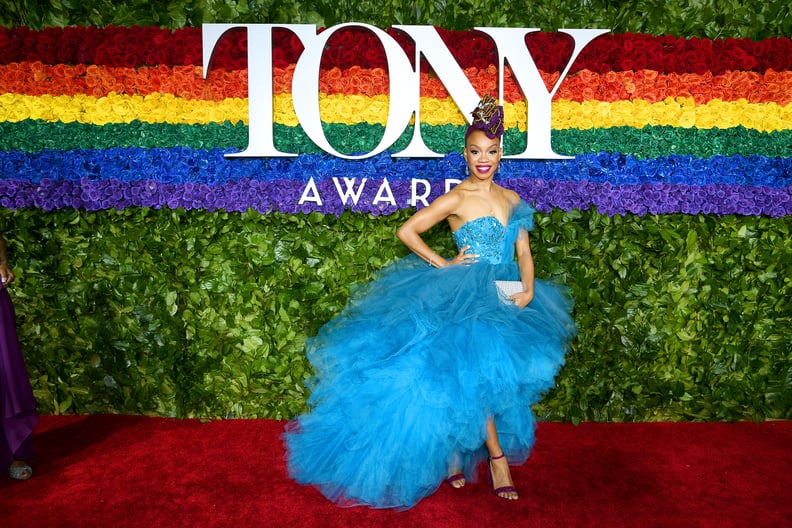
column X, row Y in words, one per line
column 408, row 373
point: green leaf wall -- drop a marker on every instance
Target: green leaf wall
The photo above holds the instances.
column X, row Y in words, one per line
column 198, row 314
column 701, row 18
column 176, row 313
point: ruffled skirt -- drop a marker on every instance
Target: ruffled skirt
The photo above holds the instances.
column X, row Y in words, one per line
column 408, row 373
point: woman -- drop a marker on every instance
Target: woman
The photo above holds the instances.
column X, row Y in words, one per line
column 18, row 416
column 429, row 371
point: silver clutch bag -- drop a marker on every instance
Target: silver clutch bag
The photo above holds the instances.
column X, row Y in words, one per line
column 508, row 288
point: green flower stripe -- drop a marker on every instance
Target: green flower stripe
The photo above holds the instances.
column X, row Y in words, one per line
column 648, row 142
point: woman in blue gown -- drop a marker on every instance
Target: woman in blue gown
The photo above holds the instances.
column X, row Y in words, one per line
column 429, row 370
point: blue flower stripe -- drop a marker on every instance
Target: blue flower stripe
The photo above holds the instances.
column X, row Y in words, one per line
column 181, row 165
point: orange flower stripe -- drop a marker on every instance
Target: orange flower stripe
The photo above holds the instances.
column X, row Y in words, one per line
column 354, row 109
column 35, row 78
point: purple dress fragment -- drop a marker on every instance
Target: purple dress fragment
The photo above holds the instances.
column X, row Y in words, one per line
column 18, row 415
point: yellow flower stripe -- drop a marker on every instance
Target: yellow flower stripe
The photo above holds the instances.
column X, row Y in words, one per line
column 353, row 109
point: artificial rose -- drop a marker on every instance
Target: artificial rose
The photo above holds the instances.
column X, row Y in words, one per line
column 131, row 47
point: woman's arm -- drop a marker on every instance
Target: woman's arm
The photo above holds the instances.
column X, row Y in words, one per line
column 410, row 232
column 6, row 275
column 526, row 265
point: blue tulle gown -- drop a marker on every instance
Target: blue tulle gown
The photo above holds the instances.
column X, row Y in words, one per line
column 408, row 373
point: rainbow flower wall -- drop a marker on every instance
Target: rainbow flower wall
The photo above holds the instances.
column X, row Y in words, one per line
column 157, row 276
column 121, row 117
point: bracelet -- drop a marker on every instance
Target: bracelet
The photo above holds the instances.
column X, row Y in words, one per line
column 430, row 259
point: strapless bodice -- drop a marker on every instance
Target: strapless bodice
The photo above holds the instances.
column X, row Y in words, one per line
column 485, row 236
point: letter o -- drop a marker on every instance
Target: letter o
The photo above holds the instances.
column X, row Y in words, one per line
column 305, row 90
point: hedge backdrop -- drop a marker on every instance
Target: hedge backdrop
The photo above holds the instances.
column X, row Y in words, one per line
column 157, row 277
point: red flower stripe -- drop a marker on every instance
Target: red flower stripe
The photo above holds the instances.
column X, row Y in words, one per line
column 36, row 78
column 149, row 46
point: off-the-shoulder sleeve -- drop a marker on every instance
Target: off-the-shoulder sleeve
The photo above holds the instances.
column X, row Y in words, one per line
column 522, row 216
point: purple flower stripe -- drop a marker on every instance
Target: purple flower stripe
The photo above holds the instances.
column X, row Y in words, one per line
column 375, row 198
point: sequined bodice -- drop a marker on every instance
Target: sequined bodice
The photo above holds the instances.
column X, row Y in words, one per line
column 485, row 236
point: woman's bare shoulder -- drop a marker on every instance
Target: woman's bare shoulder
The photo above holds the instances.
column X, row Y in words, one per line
column 452, row 199
column 510, row 195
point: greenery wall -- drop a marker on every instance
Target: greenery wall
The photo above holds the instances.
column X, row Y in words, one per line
column 691, row 18
column 195, row 314
column 192, row 313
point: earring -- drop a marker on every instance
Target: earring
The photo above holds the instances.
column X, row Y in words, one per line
column 467, row 170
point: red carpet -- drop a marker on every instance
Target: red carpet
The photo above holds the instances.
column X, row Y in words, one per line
column 120, row 471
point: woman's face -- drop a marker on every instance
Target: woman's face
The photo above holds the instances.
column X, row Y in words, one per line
column 482, row 154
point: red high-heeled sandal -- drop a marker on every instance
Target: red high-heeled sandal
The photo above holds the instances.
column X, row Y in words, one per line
column 502, row 489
